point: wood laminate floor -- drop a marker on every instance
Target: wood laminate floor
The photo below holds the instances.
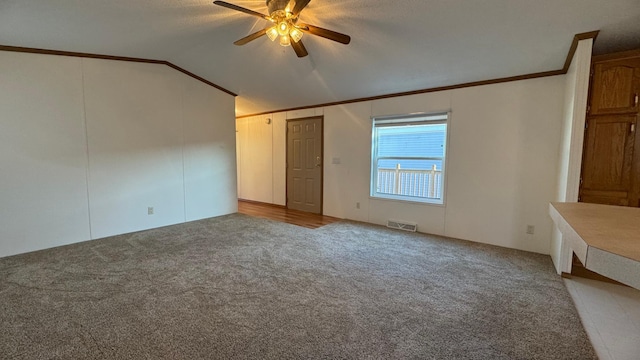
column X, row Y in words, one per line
column 282, row 214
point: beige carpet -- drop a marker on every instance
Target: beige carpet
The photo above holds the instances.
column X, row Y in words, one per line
column 241, row 287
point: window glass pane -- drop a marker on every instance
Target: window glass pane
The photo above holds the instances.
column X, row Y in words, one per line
column 409, row 164
column 411, row 141
column 408, row 158
column 410, row 178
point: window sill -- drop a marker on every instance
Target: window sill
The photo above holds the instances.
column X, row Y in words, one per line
column 410, row 202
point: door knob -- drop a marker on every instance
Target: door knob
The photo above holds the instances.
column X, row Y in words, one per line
column 318, row 162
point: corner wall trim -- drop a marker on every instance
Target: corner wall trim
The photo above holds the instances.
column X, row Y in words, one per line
column 110, row 57
column 564, row 70
column 574, row 46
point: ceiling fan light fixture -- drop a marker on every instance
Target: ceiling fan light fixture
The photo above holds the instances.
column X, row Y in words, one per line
column 295, row 34
column 272, row 33
column 283, row 16
column 283, row 28
column 285, row 40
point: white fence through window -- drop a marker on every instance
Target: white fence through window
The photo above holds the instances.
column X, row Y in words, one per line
column 410, row 182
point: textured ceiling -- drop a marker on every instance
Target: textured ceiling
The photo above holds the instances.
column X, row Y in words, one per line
column 396, row 45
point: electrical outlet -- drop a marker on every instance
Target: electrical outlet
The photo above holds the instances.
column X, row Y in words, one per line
column 531, row 229
column 150, row 210
column 357, row 205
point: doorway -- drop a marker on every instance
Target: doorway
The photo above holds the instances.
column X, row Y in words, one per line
column 305, row 164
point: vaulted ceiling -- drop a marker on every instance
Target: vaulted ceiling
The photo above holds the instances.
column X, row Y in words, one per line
column 396, row 45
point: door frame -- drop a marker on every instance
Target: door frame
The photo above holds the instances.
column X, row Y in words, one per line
column 286, row 190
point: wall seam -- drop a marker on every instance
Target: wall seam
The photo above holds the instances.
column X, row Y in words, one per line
column 370, row 162
column 86, row 140
column 447, row 161
column 184, row 183
column 273, row 172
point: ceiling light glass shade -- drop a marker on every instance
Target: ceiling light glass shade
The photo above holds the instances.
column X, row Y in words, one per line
column 285, row 41
column 272, row 33
column 283, row 28
column 295, row 34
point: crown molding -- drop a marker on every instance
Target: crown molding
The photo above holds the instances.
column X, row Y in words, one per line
column 111, row 57
column 565, row 68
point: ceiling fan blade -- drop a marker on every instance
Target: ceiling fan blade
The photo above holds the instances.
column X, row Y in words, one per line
column 299, row 48
column 327, row 34
column 241, row 9
column 251, row 37
column 299, row 5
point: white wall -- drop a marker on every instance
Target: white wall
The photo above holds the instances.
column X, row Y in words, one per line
column 501, row 161
column 279, row 158
column 570, row 148
column 255, row 146
column 43, row 162
column 87, row 145
column 208, row 150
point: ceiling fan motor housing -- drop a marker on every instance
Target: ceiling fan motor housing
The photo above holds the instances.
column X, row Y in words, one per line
column 275, row 5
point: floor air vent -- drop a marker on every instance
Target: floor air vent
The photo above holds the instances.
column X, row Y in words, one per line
column 402, row 225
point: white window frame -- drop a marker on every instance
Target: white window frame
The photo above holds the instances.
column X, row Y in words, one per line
column 408, row 120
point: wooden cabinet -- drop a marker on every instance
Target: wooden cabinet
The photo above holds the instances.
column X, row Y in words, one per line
column 611, row 154
column 608, row 159
column 615, row 87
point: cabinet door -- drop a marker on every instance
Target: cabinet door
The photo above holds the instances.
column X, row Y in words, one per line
column 608, row 160
column 615, row 87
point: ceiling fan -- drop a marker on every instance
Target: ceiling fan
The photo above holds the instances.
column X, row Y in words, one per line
column 284, row 16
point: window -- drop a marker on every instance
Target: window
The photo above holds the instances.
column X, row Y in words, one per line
column 408, row 157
